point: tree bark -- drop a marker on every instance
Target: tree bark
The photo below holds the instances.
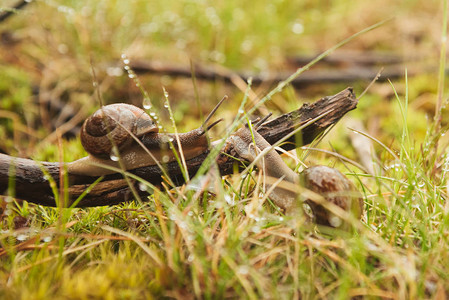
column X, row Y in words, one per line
column 30, row 180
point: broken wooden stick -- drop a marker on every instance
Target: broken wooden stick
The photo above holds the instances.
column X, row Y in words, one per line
column 352, row 58
column 319, row 76
column 32, row 181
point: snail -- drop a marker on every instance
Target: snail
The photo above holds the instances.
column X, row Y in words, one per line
column 325, row 181
column 118, row 125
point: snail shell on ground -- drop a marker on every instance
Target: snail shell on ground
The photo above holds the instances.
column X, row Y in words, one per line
column 111, row 125
column 336, row 189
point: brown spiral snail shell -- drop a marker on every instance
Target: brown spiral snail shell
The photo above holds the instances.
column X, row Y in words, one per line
column 111, row 126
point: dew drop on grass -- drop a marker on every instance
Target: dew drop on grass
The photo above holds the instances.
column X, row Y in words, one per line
column 47, row 239
column 255, row 229
column 190, row 258
column 22, row 237
column 165, row 158
column 114, row 154
column 335, row 221
column 146, row 103
column 142, row 186
column 297, row 28
column 243, row 270
column 230, row 200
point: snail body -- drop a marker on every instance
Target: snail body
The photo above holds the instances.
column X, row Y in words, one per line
column 327, row 182
column 118, row 125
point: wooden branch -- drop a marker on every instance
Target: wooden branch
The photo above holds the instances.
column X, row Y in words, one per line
column 33, row 185
column 311, row 77
column 360, row 58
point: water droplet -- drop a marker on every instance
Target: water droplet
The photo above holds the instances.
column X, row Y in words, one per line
column 47, row 239
column 126, row 61
column 243, row 270
column 146, row 103
column 63, row 48
column 127, row 68
column 22, row 237
column 335, row 221
column 123, row 55
column 255, row 229
column 229, row 200
column 114, row 154
column 142, row 186
column 190, row 213
column 165, row 158
column 190, row 258
column 241, row 111
column 131, row 75
column 153, row 114
column 297, row 28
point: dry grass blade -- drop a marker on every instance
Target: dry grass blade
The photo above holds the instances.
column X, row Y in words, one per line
column 64, row 253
